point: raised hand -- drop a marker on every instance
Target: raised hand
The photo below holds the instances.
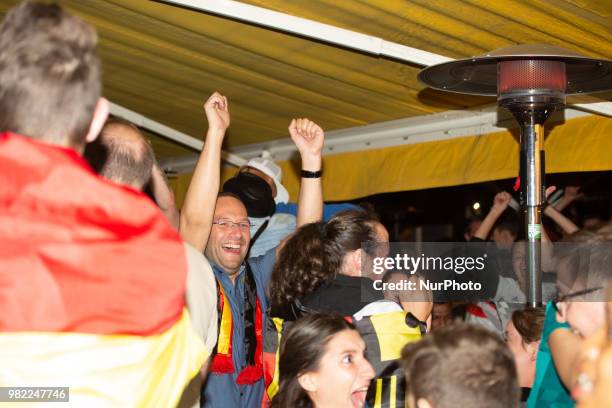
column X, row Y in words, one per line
column 307, row 136
column 217, row 112
column 501, row 201
column 571, row 193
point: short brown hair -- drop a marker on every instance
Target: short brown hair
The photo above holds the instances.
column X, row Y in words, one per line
column 461, row 365
column 122, row 154
column 529, row 323
column 49, row 74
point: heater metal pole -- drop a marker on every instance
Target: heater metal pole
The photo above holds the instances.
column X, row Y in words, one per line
column 532, row 153
column 531, row 117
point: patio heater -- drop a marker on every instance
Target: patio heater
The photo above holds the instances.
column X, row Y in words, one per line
column 531, row 81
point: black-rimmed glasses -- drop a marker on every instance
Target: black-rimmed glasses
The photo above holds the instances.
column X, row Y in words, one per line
column 227, row 224
column 564, row 298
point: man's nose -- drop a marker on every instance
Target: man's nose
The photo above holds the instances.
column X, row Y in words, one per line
column 235, row 232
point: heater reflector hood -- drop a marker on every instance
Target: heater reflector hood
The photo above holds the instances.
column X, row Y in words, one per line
column 479, row 75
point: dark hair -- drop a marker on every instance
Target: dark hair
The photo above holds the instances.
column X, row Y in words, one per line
column 229, row 194
column 508, row 222
column 529, row 323
column 122, row 154
column 461, row 365
column 468, row 226
column 301, row 350
column 49, row 74
column 315, row 254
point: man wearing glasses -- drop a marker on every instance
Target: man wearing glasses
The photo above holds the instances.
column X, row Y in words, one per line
column 219, row 226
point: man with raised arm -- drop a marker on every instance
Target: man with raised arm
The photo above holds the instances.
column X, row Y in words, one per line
column 219, row 226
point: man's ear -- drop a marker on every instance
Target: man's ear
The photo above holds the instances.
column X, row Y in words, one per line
column 99, row 118
column 423, row 403
column 308, row 382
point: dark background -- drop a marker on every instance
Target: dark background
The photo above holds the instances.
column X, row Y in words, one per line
column 443, row 213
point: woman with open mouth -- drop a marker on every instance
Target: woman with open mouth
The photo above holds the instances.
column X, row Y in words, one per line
column 323, row 364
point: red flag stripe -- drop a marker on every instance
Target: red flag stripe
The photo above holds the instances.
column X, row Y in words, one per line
column 79, row 253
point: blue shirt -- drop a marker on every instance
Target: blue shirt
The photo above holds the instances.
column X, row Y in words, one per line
column 329, row 210
column 279, row 226
column 221, row 391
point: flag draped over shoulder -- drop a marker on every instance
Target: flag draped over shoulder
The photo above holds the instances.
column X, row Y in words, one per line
column 92, row 282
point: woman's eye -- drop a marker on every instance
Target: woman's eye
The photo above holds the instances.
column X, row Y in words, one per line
column 348, row 359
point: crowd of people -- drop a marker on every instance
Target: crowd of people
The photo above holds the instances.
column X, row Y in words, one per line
column 241, row 298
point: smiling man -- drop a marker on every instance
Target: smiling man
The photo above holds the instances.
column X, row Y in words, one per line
column 220, row 228
column 229, row 238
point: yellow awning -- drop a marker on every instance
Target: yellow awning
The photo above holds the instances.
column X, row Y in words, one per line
column 583, row 144
column 162, row 61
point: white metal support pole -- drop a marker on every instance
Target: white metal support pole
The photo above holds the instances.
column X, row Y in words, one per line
column 170, row 133
column 313, row 29
column 335, row 35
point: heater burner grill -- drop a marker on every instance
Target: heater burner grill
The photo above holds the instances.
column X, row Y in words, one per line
column 530, row 75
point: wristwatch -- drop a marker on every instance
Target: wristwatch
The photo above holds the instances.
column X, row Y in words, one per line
column 311, row 174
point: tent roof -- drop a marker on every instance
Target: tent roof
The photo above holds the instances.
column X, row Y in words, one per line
column 162, row 61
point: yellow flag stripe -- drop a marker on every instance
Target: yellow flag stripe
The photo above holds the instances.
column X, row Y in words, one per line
column 378, row 395
column 393, row 333
column 105, row 370
column 273, row 387
column 393, row 391
column 225, row 331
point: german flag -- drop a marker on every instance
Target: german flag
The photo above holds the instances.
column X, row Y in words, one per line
column 92, row 283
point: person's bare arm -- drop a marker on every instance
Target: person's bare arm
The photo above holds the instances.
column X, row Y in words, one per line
column 561, row 220
column 163, row 195
column 199, row 206
column 308, row 138
column 500, row 203
column 570, row 194
column 565, row 347
column 418, row 302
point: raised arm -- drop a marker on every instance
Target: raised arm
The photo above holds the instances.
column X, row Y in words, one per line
column 570, row 194
column 308, row 138
column 199, row 206
column 163, row 195
column 561, row 220
column 500, row 203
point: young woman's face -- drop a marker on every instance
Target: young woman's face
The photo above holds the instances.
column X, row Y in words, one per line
column 344, row 373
